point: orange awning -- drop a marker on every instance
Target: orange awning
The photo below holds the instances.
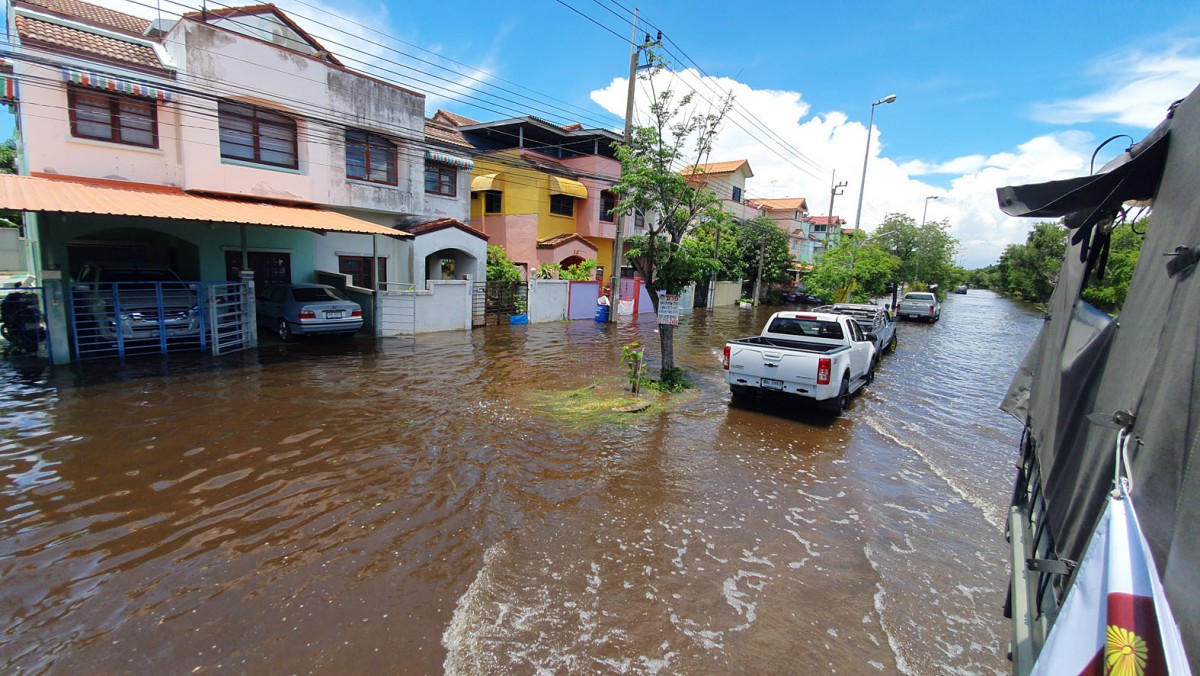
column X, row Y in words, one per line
column 112, row 198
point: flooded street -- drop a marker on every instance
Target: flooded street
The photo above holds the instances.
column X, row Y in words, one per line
column 383, row 507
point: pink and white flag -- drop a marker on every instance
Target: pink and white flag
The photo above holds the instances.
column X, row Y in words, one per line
column 1116, row 619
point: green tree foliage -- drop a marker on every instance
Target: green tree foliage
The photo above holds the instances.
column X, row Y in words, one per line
column 579, row 272
column 1108, row 293
column 926, row 252
column 650, row 182
column 868, row 265
column 500, row 267
column 762, row 234
column 8, row 165
column 1030, row 270
column 705, row 235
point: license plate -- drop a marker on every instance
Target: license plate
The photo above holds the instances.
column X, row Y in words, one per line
column 333, row 314
column 771, row 384
column 913, row 316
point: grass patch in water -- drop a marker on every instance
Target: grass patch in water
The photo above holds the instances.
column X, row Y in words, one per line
column 598, row 403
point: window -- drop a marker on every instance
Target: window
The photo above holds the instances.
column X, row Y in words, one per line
column 441, row 179
column 737, row 194
column 113, row 117
column 257, row 135
column 639, row 219
column 492, row 202
column 608, row 202
column 819, row 227
column 359, row 269
column 562, row 205
column 269, row 267
column 370, row 157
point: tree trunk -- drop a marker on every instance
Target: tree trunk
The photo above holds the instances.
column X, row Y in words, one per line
column 666, row 341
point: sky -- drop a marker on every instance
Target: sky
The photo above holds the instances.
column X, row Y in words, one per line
column 987, row 94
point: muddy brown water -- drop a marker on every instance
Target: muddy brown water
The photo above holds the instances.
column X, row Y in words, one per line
column 382, row 507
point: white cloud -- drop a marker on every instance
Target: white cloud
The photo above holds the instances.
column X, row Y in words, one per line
column 1143, row 86
column 835, row 143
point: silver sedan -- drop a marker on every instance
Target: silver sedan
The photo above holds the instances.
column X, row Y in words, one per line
column 305, row 309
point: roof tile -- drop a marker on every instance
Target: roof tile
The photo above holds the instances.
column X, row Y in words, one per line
column 95, row 14
column 717, row 167
column 99, row 45
column 781, row 204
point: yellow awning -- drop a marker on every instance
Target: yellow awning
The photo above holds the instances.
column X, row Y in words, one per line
column 113, row 198
column 565, row 186
column 487, row 182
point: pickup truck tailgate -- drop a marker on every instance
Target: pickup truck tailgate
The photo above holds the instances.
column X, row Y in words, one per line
column 754, row 363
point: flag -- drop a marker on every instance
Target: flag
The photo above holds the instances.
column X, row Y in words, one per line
column 1116, row 619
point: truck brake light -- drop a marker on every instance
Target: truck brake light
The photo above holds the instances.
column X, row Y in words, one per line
column 725, row 358
column 930, row 309
column 806, row 316
column 823, row 369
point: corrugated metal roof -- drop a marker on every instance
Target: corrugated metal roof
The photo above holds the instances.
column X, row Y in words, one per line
column 73, row 196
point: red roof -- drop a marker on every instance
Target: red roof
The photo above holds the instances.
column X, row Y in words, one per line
column 446, row 135
column 442, row 224
column 559, row 240
column 48, row 34
column 452, row 119
column 95, row 14
column 826, row 220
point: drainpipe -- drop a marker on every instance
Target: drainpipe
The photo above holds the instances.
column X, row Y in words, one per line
column 377, row 325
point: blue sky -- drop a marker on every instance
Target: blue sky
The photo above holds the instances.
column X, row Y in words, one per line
column 989, row 94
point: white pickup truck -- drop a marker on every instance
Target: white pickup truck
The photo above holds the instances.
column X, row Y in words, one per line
column 922, row 305
column 815, row 355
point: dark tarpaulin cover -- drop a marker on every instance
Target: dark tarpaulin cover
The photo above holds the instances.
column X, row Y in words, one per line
column 1145, row 362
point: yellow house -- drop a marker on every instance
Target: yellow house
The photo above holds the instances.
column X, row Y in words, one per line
column 541, row 191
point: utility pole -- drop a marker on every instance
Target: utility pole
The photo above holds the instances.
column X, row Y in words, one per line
column 835, row 189
column 762, row 247
column 712, row 284
column 618, row 241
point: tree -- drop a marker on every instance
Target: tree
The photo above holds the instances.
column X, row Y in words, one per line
column 926, row 252
column 762, row 234
column 500, row 267
column 8, row 165
column 651, row 183
column 1030, row 270
column 868, row 264
column 1108, row 293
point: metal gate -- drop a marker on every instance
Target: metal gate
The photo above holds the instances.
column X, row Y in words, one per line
column 493, row 302
column 122, row 319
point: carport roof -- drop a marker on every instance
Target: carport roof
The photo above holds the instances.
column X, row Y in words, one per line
column 118, row 198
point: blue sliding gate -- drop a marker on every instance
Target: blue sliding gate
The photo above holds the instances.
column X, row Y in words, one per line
column 122, row 319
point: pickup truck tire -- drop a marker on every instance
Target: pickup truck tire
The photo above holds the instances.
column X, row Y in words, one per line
column 890, row 348
column 841, row 402
column 741, row 392
column 871, row 373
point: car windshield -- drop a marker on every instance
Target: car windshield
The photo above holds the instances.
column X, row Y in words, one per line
column 798, row 326
column 316, row 294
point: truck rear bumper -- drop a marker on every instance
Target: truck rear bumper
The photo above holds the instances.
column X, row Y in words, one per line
column 772, row 385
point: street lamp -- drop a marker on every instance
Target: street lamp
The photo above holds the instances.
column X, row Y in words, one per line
column 871, row 125
column 923, row 213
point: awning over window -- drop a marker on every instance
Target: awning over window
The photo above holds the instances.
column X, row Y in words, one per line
column 114, row 84
column 487, row 182
column 460, row 162
column 96, row 196
column 8, row 87
column 566, row 186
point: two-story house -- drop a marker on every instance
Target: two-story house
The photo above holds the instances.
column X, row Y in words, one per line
column 824, row 232
column 727, row 180
column 542, row 191
column 790, row 214
column 235, row 140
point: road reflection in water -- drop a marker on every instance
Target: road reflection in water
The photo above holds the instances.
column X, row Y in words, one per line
column 376, row 506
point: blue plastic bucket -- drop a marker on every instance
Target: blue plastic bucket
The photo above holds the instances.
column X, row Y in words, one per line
column 601, row 313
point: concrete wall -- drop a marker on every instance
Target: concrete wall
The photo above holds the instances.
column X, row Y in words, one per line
column 12, row 256
column 443, row 306
column 727, row 293
column 548, row 300
column 470, row 254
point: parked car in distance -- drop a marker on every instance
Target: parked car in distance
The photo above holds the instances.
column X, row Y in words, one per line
column 798, row 297
column 140, row 300
column 306, row 309
column 922, row 305
column 875, row 321
column 960, row 289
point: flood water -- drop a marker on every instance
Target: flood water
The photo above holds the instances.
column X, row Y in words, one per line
column 390, row 507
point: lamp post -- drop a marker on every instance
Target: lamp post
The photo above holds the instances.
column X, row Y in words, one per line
column 924, row 213
column 867, row 155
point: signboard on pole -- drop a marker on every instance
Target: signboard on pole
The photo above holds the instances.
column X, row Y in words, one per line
column 668, row 309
